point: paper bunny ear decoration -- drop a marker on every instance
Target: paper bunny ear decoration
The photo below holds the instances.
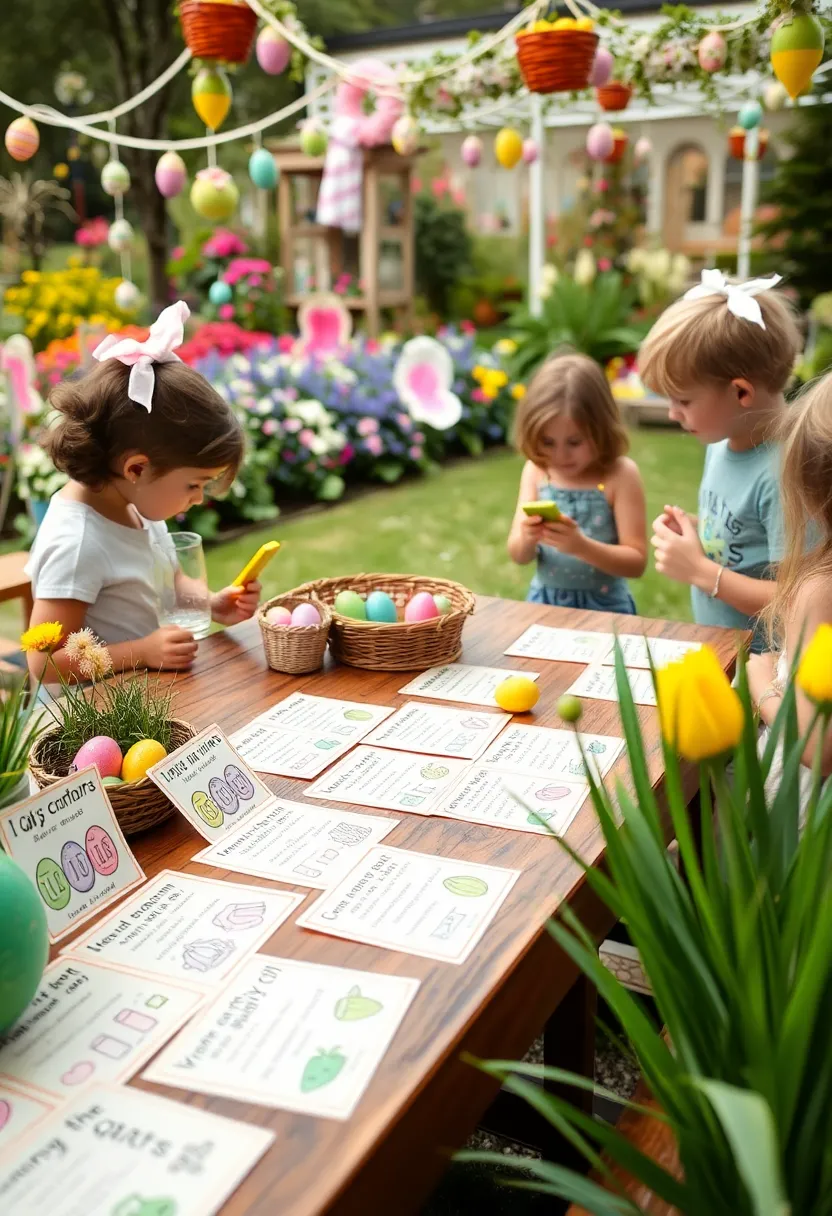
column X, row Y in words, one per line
column 19, row 372
column 423, row 378
column 325, row 325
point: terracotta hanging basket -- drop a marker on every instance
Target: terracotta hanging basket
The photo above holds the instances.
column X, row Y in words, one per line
column 614, row 96
column 556, row 61
column 619, row 147
column 218, row 29
column 736, row 143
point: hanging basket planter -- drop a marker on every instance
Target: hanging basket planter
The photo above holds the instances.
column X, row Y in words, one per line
column 736, row 143
column 220, row 31
column 619, row 147
column 556, row 61
column 614, row 96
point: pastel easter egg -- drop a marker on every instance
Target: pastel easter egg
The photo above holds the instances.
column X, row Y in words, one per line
column 22, row 138
column 279, row 615
column 220, row 292
column 223, row 795
column 112, row 782
column 214, row 194
column 101, row 850
column 306, row 614
column 530, row 152
column 142, row 756
column 115, row 179
column 207, row 809
column 77, row 867
column 750, row 115
column 239, row 782
column 313, row 139
column 171, row 174
column 127, row 296
column 421, row 608
column 52, row 884
column 602, row 66
column 600, row 141
column 350, row 603
column 517, row 694
column 712, row 52
column 471, row 151
column 262, row 169
column 405, row 135
column 103, row 752
column 120, row 237
column 508, row 147
column 469, row 885
column 24, row 940
column 380, row 608
column 551, row 793
column 211, row 96
column 273, row 52
column 443, row 604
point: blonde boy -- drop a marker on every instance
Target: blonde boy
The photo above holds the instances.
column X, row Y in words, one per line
column 723, row 356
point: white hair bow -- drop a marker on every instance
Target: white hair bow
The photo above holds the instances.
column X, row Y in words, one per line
column 740, row 296
column 166, row 333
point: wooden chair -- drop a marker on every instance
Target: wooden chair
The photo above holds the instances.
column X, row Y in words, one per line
column 15, row 583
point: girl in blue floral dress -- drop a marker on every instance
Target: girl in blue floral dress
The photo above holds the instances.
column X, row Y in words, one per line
column 570, row 431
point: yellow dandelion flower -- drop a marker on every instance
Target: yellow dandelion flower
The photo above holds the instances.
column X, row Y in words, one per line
column 518, row 391
column 43, row 637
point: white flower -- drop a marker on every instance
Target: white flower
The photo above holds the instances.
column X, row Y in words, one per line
column 585, row 268
column 422, row 378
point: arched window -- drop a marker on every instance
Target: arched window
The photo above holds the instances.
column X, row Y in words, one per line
column 686, row 188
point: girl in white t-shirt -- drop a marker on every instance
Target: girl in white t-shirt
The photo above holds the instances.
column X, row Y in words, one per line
column 140, row 438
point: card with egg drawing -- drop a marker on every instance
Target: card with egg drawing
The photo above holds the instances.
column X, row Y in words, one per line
column 67, row 840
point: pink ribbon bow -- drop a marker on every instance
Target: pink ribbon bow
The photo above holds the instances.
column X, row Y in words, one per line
column 166, row 333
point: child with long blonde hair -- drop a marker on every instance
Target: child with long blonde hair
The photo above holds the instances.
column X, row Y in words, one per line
column 569, row 429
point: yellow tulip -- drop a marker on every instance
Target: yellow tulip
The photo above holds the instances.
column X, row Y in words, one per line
column 814, row 675
column 701, row 714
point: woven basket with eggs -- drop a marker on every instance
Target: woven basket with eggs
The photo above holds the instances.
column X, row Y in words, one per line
column 556, row 57
column 398, row 645
column 138, row 805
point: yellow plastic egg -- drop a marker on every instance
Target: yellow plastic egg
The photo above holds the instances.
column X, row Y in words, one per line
column 585, row 23
column 565, row 23
column 517, row 694
column 140, row 757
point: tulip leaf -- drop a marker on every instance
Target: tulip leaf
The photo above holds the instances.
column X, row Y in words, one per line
column 749, row 1127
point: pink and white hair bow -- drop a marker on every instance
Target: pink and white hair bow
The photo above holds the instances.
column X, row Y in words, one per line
column 166, row 333
column 740, row 296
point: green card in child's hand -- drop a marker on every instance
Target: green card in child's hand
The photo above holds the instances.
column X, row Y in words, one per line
column 550, row 511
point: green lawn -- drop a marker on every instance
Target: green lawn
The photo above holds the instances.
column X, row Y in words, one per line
column 454, row 525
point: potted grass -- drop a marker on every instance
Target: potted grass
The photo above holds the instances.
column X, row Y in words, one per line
column 738, row 954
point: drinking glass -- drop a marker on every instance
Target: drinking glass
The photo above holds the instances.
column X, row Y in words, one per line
column 182, row 583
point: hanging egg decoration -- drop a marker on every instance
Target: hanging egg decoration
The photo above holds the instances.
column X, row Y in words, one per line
column 602, row 66
column 750, row 115
column 115, row 180
column 508, row 147
column 211, row 96
column 471, row 151
column 120, row 238
column 220, row 292
column 313, row 139
column 600, row 141
column 712, row 52
column 530, row 152
column 405, row 135
column 775, row 96
column 273, row 51
column 24, row 944
column 127, row 296
column 22, row 139
column 642, row 150
column 796, row 50
column 214, row 194
column 171, row 174
column 262, row 169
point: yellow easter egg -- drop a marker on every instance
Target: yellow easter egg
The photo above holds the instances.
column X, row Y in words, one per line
column 565, row 23
column 517, row 694
column 508, row 147
column 140, row 757
column 585, row 23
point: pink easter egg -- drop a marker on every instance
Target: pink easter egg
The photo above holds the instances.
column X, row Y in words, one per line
column 306, row 614
column 421, row 608
column 530, row 152
column 471, row 151
column 602, row 66
column 273, row 52
column 171, row 174
column 103, row 752
column 712, row 52
column 279, row 616
column 101, row 850
column 600, row 141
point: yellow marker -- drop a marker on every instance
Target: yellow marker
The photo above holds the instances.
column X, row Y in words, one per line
column 252, row 571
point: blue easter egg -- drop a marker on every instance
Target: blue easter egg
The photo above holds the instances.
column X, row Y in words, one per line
column 262, row 170
column 220, row 292
column 750, row 116
column 380, row 608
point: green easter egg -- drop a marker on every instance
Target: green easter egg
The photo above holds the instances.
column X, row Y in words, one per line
column 112, row 782
column 24, row 941
column 443, row 604
column 350, row 603
column 467, row 884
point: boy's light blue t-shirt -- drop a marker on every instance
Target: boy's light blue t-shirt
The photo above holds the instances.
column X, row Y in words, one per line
column 740, row 525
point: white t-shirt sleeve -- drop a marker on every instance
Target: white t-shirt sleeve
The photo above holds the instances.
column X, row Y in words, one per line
column 66, row 562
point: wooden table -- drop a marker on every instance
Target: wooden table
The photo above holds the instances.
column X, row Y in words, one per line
column 423, row 1101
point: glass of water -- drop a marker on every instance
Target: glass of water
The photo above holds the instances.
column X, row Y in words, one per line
column 182, row 583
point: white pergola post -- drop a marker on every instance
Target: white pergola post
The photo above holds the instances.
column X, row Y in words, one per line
column 537, row 206
column 748, row 200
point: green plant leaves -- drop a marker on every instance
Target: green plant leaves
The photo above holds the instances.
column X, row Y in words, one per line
column 748, row 1124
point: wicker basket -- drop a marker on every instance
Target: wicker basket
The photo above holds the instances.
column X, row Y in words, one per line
column 138, row 805
column 556, row 61
column 294, row 649
column 614, row 96
column 221, row 31
column 404, row 646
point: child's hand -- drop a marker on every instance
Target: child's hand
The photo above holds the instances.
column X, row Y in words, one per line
column 531, row 527
column 671, row 518
column 235, row 604
column 679, row 552
column 168, row 649
column 563, row 535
